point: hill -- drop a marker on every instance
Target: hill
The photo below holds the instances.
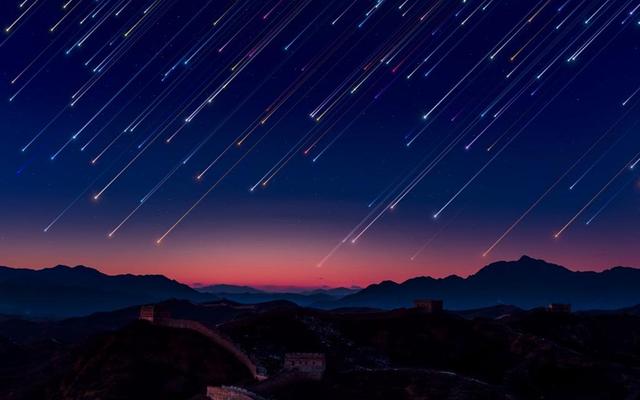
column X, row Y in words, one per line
column 409, row 354
column 525, row 283
column 228, row 289
column 138, row 361
column 400, row 354
column 62, row 291
column 250, row 295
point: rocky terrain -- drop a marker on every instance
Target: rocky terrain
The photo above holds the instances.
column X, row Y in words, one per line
column 398, row 354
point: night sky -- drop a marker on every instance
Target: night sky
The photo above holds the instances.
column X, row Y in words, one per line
column 313, row 143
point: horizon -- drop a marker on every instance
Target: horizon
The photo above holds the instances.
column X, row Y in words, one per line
column 295, row 273
column 288, row 288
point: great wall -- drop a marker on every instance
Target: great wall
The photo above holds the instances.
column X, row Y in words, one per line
column 149, row 313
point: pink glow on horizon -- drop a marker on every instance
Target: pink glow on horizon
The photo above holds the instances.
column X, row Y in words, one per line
column 290, row 257
column 291, row 264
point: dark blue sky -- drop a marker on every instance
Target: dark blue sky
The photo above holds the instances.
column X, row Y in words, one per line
column 348, row 65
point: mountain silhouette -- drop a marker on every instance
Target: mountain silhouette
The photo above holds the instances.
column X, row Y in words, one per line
column 525, row 283
column 64, row 291
column 251, row 295
column 228, row 289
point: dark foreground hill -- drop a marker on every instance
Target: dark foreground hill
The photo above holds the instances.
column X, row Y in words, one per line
column 400, row 354
column 406, row 354
column 62, row 291
column 525, row 283
column 77, row 329
column 141, row 361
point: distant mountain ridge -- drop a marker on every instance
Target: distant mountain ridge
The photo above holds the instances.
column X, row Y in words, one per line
column 64, row 291
column 251, row 295
column 228, row 289
column 244, row 289
column 525, row 283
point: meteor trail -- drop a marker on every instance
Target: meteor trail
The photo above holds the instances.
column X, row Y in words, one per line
column 572, row 220
column 611, row 199
column 321, row 104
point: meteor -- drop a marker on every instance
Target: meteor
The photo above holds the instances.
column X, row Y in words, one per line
column 20, row 17
column 314, row 73
column 604, row 188
column 611, row 199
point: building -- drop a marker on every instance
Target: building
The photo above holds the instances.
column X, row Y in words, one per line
column 312, row 365
column 429, row 305
column 559, row 308
column 153, row 313
column 230, row 393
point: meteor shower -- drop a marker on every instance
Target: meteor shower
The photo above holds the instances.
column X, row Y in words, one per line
column 347, row 199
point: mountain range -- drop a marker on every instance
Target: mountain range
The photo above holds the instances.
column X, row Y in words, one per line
column 62, row 292
column 301, row 297
column 525, row 283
